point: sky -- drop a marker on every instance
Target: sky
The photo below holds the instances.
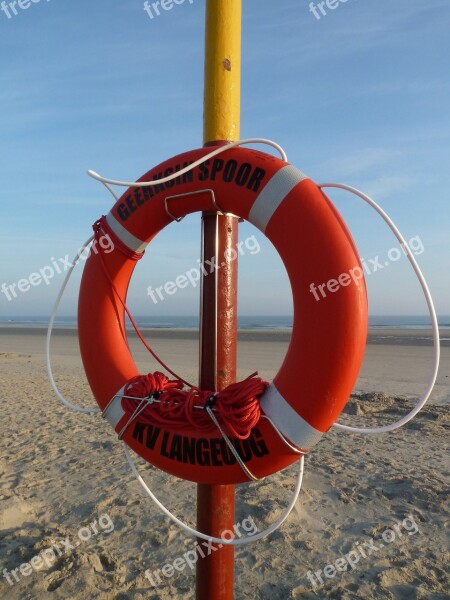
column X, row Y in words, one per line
column 360, row 95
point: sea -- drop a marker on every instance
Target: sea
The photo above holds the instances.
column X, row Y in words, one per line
column 244, row 322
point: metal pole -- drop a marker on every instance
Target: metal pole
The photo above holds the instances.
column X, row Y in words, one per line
column 218, row 319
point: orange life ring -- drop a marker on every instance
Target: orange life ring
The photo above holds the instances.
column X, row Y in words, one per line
column 328, row 339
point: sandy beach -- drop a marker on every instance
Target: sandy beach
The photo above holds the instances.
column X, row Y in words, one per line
column 65, row 485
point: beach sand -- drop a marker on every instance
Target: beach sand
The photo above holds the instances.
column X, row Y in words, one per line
column 60, row 471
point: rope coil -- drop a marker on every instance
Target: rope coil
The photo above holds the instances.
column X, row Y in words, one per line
column 236, row 407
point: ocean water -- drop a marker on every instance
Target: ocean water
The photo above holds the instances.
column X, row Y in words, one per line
column 244, row 322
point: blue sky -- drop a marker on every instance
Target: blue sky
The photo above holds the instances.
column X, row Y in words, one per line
column 360, row 96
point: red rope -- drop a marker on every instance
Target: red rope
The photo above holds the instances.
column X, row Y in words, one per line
column 100, row 226
column 236, row 408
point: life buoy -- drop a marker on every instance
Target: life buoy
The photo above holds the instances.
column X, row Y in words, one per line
column 328, row 338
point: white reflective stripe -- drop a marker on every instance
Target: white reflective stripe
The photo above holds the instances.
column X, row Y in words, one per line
column 297, row 430
column 273, row 194
column 130, row 241
column 114, row 411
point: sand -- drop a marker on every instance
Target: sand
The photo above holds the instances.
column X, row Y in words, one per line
column 61, row 472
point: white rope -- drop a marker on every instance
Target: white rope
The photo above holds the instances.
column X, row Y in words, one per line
column 434, row 323
column 198, row 534
column 198, row 162
column 49, row 337
column 109, row 188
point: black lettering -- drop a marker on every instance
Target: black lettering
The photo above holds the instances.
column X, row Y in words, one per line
column 138, row 197
column 159, row 187
column 152, row 436
column 203, row 452
column 203, row 456
column 189, row 176
column 123, row 212
column 204, row 171
column 130, row 203
column 257, row 444
column 189, row 450
column 215, row 452
column 229, row 171
column 168, row 172
column 148, row 192
column 175, row 448
column 256, row 178
column 243, row 174
column 178, row 179
column 164, row 443
column 216, row 168
column 138, row 432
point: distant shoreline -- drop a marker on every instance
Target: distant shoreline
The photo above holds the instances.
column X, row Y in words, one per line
column 376, row 335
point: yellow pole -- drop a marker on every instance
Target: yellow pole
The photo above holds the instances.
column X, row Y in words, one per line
column 222, row 107
column 221, row 123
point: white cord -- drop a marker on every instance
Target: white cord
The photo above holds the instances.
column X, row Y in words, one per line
column 434, row 323
column 201, row 160
column 236, row 542
column 49, row 337
column 109, row 188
